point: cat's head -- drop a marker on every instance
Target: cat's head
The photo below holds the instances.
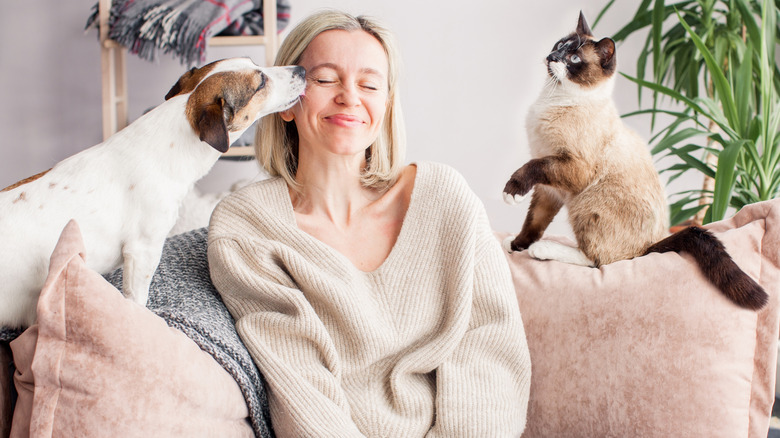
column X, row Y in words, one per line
column 581, row 59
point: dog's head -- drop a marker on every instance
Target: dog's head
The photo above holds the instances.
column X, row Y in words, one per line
column 227, row 96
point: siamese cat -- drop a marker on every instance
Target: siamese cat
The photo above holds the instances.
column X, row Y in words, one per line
column 586, row 158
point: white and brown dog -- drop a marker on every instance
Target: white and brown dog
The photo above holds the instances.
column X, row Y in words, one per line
column 125, row 192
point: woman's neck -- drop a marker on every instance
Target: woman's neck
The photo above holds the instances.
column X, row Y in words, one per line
column 331, row 188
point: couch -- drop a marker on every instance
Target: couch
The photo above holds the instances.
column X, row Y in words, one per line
column 643, row 347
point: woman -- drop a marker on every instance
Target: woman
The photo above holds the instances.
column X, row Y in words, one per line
column 372, row 295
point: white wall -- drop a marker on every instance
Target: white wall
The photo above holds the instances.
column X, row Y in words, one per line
column 469, row 75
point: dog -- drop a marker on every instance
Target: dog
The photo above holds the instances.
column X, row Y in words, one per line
column 125, row 193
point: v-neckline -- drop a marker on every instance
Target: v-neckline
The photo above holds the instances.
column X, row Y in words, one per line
column 389, row 261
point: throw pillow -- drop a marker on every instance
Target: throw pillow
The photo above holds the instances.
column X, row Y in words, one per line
column 96, row 363
column 648, row 347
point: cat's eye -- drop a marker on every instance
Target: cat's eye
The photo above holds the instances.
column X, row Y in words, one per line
column 575, row 59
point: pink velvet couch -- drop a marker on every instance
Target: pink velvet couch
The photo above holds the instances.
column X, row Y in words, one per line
column 644, row 347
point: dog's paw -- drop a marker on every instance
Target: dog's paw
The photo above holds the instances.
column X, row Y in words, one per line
column 507, row 244
column 513, row 199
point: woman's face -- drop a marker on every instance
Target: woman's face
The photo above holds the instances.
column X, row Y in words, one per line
column 346, row 93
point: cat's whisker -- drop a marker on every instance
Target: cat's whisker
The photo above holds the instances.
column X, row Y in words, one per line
column 550, row 86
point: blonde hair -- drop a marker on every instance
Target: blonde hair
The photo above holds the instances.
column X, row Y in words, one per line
column 276, row 141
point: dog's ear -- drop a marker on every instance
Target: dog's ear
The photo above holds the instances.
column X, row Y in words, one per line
column 212, row 127
column 176, row 89
column 190, row 80
column 179, row 86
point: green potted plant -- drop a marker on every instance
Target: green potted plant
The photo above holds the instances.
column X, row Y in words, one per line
column 714, row 59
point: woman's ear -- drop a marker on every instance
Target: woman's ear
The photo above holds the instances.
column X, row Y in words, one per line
column 287, row 115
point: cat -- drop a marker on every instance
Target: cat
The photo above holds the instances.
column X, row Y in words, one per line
column 587, row 159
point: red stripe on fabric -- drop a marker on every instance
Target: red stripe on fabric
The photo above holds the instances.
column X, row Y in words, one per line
column 226, row 16
column 218, row 3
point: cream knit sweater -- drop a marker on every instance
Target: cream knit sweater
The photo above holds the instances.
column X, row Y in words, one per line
column 430, row 344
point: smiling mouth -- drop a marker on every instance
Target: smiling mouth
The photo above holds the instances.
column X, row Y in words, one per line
column 344, row 119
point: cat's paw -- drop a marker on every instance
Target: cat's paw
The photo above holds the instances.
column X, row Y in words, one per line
column 543, row 250
column 513, row 199
column 549, row 250
column 507, row 244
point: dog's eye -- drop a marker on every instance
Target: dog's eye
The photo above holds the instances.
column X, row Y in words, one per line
column 261, row 85
column 575, row 59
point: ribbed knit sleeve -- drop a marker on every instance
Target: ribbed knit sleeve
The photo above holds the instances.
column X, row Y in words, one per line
column 287, row 341
column 483, row 387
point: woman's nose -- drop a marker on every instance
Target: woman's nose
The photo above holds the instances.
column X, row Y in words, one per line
column 348, row 95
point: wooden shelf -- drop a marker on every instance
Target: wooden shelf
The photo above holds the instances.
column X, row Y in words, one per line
column 240, row 152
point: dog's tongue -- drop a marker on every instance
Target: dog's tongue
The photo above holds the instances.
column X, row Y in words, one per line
column 303, row 93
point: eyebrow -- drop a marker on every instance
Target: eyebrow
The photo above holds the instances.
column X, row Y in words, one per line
column 364, row 70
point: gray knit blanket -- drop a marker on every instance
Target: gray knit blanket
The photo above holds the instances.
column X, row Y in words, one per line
column 183, row 27
column 182, row 294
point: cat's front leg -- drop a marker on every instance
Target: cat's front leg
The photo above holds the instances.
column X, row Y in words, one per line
column 524, row 179
column 561, row 171
column 545, row 204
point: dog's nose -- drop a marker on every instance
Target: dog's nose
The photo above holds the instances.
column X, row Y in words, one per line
column 299, row 72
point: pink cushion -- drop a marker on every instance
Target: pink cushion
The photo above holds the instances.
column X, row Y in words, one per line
column 647, row 347
column 97, row 364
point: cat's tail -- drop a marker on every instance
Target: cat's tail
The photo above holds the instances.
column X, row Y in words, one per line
column 716, row 264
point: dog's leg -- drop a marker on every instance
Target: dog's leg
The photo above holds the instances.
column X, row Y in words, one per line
column 545, row 204
column 140, row 263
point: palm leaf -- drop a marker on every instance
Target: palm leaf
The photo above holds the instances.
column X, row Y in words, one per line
column 720, row 83
column 724, row 180
column 677, row 137
column 656, row 31
column 684, row 153
column 744, row 86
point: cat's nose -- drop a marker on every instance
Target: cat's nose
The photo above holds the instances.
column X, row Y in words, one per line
column 554, row 57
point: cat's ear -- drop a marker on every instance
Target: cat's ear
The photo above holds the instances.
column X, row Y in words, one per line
column 606, row 50
column 582, row 26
